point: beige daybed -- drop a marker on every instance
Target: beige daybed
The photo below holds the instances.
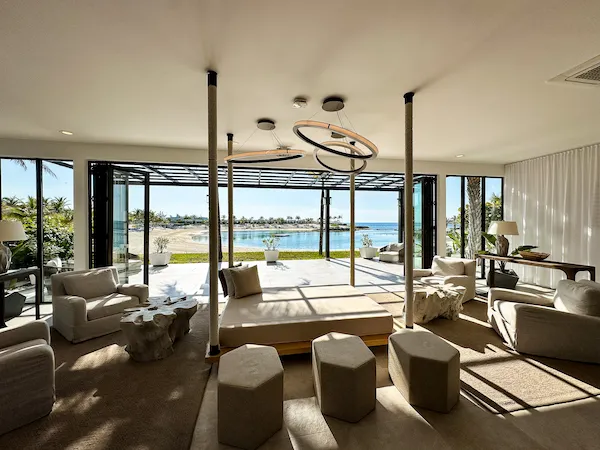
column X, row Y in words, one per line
column 289, row 318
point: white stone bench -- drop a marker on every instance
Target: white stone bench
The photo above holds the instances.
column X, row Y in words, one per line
column 344, row 373
column 250, row 396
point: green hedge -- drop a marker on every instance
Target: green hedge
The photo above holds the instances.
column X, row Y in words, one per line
column 184, row 258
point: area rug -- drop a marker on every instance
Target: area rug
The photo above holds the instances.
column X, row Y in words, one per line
column 496, row 377
column 104, row 400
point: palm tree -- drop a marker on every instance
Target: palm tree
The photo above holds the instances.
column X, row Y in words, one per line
column 57, row 205
column 474, row 214
column 22, row 163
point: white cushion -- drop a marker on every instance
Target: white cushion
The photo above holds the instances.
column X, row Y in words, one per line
column 109, row 305
column 446, row 266
column 578, row 297
column 97, row 283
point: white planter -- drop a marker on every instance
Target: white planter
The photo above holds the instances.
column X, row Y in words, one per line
column 368, row 252
column 271, row 255
column 160, row 259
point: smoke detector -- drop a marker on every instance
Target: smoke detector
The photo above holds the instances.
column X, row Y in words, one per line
column 299, row 102
column 587, row 73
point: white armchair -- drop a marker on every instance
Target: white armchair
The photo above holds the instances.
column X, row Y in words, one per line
column 530, row 323
column 444, row 270
column 27, row 390
column 89, row 303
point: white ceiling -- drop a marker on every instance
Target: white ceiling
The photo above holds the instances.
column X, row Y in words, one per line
column 134, row 72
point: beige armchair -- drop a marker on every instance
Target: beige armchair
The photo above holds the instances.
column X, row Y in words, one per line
column 535, row 324
column 89, row 303
column 26, row 375
column 444, row 270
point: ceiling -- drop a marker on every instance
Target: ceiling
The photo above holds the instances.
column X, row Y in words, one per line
column 134, row 72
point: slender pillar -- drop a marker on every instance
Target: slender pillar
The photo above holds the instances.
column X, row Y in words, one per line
column 441, row 214
column 463, row 215
column 213, row 214
column 230, row 221
column 352, row 226
column 146, row 268
column 327, row 205
column 400, row 215
column 39, row 193
column 81, row 217
column 408, row 210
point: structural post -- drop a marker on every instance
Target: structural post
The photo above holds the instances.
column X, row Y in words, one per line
column 213, row 215
column 39, row 193
column 230, row 221
column 81, row 208
column 408, row 210
column 400, row 215
column 327, row 205
column 352, row 225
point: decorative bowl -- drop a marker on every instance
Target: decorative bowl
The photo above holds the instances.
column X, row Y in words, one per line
column 534, row 256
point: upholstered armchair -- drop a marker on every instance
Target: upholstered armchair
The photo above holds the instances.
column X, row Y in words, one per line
column 444, row 270
column 26, row 375
column 565, row 327
column 393, row 253
column 89, row 303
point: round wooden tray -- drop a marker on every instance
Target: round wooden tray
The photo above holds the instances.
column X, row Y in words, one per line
column 534, row 256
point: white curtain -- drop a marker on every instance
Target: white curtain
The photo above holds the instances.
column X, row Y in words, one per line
column 555, row 201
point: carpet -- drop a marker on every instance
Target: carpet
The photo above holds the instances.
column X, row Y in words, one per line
column 105, row 400
column 496, row 377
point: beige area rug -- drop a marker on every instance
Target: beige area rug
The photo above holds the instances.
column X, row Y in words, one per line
column 106, row 401
column 496, row 377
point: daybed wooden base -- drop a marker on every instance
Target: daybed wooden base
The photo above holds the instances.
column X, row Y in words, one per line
column 295, row 348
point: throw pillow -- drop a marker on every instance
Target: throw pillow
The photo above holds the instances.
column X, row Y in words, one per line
column 97, row 283
column 223, row 282
column 229, row 287
column 396, row 247
column 447, row 266
column 246, row 281
column 578, row 297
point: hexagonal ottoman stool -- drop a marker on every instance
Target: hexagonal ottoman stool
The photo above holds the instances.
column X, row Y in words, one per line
column 344, row 374
column 250, row 396
column 425, row 369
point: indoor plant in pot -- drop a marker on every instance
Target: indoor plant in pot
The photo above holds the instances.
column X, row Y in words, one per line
column 271, row 252
column 367, row 250
column 161, row 257
column 503, row 277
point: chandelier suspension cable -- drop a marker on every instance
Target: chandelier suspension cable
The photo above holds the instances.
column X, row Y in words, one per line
column 247, row 139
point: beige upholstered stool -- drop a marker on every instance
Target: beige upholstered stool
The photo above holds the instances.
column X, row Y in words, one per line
column 425, row 369
column 250, row 396
column 344, row 374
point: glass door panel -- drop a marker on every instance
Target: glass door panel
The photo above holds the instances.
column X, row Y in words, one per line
column 120, row 222
column 418, row 219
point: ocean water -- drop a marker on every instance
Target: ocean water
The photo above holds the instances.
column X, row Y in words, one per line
column 381, row 233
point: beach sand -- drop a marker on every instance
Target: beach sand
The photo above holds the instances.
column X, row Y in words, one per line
column 181, row 239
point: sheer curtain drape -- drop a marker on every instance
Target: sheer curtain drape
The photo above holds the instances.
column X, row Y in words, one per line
column 555, row 201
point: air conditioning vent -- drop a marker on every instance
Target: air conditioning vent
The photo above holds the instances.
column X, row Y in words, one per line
column 587, row 73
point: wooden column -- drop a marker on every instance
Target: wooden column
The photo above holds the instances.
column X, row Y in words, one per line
column 213, row 215
column 352, row 225
column 327, row 222
column 409, row 223
column 230, row 221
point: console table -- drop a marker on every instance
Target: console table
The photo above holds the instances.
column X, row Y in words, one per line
column 20, row 273
column 568, row 268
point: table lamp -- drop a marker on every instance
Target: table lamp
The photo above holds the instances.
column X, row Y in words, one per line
column 500, row 229
column 10, row 230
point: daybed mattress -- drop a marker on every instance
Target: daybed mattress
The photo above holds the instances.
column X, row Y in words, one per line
column 299, row 314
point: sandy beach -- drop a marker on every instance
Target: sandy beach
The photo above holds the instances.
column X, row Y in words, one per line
column 181, row 239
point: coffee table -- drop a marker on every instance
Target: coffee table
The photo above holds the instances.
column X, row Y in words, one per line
column 152, row 328
column 432, row 302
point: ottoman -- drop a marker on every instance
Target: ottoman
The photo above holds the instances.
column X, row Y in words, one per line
column 425, row 369
column 250, row 396
column 344, row 374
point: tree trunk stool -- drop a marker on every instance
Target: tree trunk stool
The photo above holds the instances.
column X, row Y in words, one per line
column 425, row 369
column 345, row 376
column 250, row 396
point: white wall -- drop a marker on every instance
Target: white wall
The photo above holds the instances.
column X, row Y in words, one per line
column 81, row 153
column 555, row 201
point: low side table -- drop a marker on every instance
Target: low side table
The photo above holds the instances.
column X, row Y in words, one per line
column 152, row 329
column 432, row 302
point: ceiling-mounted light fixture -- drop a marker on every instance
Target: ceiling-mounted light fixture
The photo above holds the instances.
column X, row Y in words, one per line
column 66, row 132
column 281, row 153
column 299, row 102
column 345, row 148
column 460, row 156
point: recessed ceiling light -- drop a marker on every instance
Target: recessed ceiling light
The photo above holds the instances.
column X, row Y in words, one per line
column 460, row 156
column 67, row 133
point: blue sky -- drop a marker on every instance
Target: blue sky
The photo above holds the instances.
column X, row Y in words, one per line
column 370, row 206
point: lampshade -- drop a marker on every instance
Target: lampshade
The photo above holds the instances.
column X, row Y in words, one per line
column 504, row 228
column 11, row 230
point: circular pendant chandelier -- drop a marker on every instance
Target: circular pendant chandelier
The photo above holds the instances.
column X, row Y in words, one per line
column 355, row 151
column 343, row 148
column 281, row 153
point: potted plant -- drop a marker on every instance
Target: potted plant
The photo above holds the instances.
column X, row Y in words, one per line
column 503, row 277
column 271, row 252
column 367, row 250
column 161, row 257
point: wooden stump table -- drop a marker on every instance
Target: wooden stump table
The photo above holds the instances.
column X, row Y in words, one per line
column 152, row 328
